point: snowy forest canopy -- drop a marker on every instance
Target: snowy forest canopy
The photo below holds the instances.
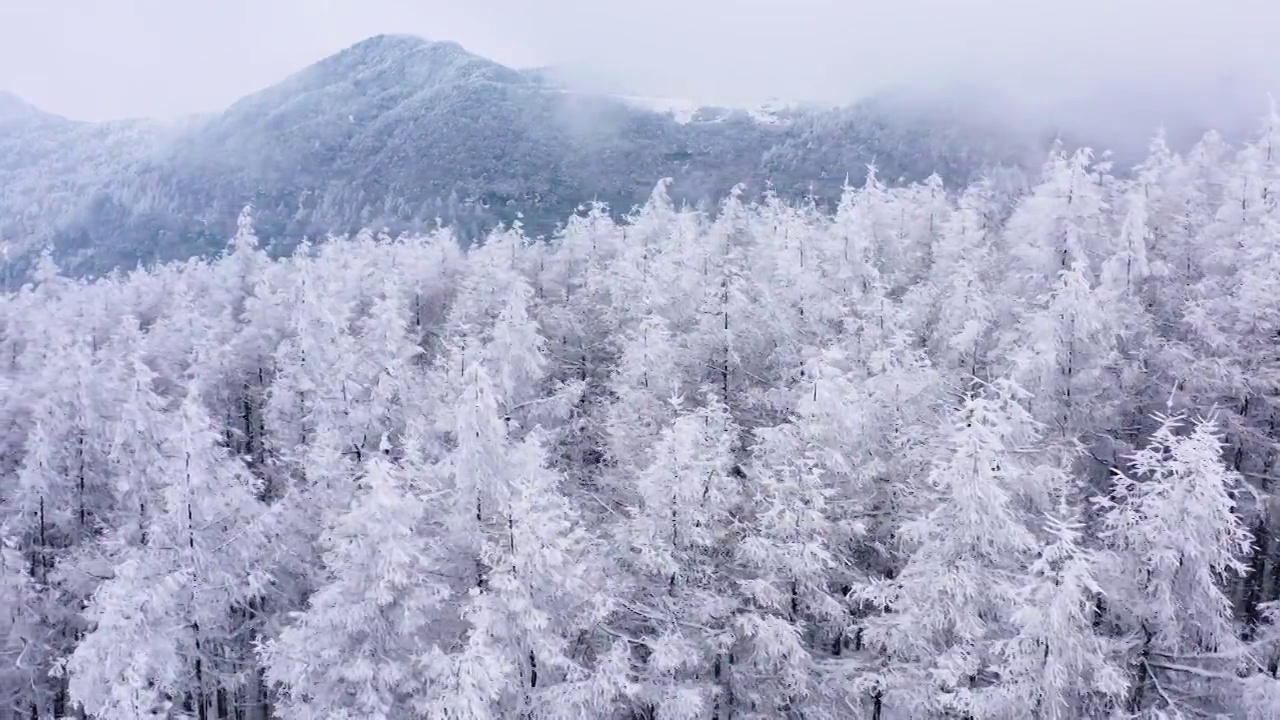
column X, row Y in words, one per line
column 942, row 453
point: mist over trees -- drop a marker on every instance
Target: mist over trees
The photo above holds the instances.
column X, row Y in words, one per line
column 401, row 133
column 945, row 451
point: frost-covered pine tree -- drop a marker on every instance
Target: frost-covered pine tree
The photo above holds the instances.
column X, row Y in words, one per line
column 965, row 307
column 356, row 649
column 1171, row 522
column 678, row 539
column 531, row 580
column 1066, row 348
column 933, row 648
column 164, row 637
column 542, row 599
column 23, row 688
column 1056, row 665
column 784, row 561
column 644, row 382
column 386, row 378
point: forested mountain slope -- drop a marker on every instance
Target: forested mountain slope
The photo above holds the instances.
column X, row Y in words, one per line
column 398, row 132
column 938, row 453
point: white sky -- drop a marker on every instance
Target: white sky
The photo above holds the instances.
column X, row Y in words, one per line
column 97, row 59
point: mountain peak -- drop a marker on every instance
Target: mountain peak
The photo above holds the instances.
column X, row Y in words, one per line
column 13, row 107
column 404, row 60
column 407, row 49
column 364, row 80
column 388, row 44
column 392, row 39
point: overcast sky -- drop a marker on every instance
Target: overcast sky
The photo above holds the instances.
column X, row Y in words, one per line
column 96, row 59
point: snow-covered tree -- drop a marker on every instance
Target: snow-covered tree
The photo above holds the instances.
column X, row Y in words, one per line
column 934, row 648
column 1171, row 522
column 679, row 536
column 355, row 651
column 1056, row 665
column 785, row 561
column 164, row 637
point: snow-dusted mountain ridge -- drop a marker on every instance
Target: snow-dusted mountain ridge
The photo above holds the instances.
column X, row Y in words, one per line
column 398, row 132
